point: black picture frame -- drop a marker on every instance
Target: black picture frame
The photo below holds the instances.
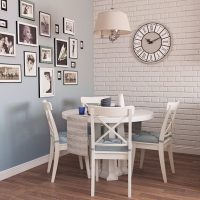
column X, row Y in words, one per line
column 73, row 64
column 73, row 48
column 68, row 26
column 4, row 5
column 27, row 9
column 70, row 77
column 30, row 64
column 61, row 52
column 44, row 24
column 3, row 23
column 10, row 73
column 57, row 28
column 81, row 44
column 22, row 29
column 59, row 75
column 45, row 54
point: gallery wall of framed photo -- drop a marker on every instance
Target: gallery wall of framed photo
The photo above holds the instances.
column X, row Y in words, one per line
column 31, row 26
column 36, row 64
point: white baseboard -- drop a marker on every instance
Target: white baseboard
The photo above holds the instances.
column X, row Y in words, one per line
column 25, row 166
column 22, row 167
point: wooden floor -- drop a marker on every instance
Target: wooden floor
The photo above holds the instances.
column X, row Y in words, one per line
column 71, row 182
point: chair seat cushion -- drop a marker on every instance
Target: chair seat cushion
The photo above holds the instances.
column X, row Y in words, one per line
column 62, row 137
column 111, row 148
column 146, row 136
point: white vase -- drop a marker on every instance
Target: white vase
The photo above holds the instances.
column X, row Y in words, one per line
column 121, row 100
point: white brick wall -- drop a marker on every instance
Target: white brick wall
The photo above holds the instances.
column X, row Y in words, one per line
column 151, row 86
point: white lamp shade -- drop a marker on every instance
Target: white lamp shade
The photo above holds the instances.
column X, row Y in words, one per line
column 112, row 20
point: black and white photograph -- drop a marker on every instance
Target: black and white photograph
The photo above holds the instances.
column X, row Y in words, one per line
column 27, row 9
column 70, row 77
column 73, row 64
column 27, row 34
column 7, row 44
column 45, row 24
column 57, row 28
column 4, row 5
column 46, row 82
column 30, row 64
column 59, row 75
column 68, row 26
column 3, row 23
column 10, row 73
column 73, row 48
column 81, row 44
column 61, row 51
column 46, row 54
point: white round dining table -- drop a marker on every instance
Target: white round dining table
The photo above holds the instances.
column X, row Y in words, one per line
column 110, row 171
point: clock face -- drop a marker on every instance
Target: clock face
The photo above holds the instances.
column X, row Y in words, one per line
column 151, row 42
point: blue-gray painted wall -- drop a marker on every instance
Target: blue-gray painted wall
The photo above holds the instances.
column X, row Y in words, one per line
column 24, row 133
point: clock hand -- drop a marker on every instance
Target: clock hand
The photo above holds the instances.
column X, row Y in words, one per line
column 155, row 39
column 148, row 41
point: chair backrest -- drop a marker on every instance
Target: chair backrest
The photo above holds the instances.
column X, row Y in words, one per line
column 92, row 100
column 52, row 125
column 101, row 115
column 167, row 126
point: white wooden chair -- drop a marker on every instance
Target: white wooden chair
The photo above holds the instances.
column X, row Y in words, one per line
column 85, row 101
column 58, row 142
column 158, row 141
column 110, row 145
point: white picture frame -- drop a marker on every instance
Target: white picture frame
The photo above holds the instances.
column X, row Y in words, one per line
column 46, row 82
column 68, row 26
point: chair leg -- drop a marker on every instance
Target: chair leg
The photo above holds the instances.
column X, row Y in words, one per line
column 171, row 159
column 55, row 164
column 87, row 164
column 133, row 157
column 142, row 158
column 92, row 176
column 80, row 161
column 97, row 170
column 162, row 162
column 129, row 174
column 51, row 152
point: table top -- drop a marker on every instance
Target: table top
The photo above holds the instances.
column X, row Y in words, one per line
column 138, row 116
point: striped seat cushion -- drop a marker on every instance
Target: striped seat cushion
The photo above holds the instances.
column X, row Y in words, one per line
column 146, row 136
column 62, row 137
column 111, row 148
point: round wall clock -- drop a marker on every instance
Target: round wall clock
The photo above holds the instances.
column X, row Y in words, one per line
column 152, row 42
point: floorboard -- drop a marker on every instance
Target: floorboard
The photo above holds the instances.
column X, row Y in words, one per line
column 72, row 184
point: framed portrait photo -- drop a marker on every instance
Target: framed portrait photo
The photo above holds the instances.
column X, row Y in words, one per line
column 68, row 26
column 30, row 64
column 70, row 77
column 3, row 23
column 45, row 24
column 27, row 9
column 73, row 64
column 46, row 54
column 56, row 28
column 61, row 51
column 10, row 73
column 7, row 44
column 27, row 34
column 46, row 82
column 4, row 5
column 59, row 75
column 73, row 48
column 81, row 44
